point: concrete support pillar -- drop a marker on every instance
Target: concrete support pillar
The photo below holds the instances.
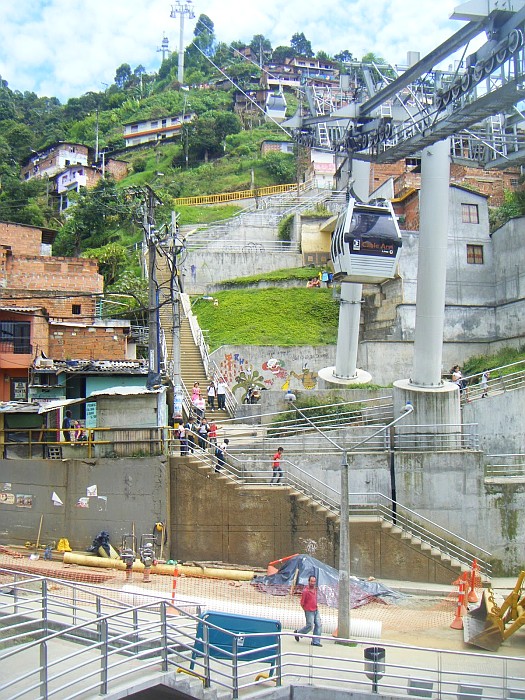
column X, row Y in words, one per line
column 348, row 331
column 436, row 403
column 432, row 265
column 345, row 370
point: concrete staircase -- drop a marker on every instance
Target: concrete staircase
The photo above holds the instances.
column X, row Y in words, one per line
column 400, row 544
column 191, row 365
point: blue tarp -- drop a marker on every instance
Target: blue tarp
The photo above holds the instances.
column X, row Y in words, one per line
column 296, row 571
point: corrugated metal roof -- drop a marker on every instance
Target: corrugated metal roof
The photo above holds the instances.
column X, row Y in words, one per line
column 110, row 391
column 21, row 309
column 18, row 407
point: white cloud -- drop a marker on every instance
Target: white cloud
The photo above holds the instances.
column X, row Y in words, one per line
column 63, row 48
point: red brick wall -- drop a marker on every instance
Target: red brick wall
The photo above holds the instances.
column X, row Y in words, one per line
column 72, row 342
column 57, row 284
column 489, row 182
column 54, row 274
column 24, row 240
column 117, row 168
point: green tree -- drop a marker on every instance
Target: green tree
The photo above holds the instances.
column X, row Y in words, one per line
column 94, row 217
column 21, row 138
column 323, row 56
column 301, row 45
column 371, row 57
column 281, row 165
column 112, row 258
column 281, row 53
column 261, row 47
column 208, row 132
column 344, row 56
column 123, row 76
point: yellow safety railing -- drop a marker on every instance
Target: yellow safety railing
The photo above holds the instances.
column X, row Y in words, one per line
column 241, row 194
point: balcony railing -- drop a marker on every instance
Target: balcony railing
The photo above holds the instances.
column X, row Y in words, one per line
column 16, row 348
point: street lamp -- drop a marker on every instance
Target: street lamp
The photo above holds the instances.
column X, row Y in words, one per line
column 343, row 609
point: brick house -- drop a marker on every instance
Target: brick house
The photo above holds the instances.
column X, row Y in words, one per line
column 48, row 309
column 68, row 167
column 54, row 159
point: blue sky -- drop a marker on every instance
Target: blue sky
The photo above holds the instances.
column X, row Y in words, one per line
column 64, row 48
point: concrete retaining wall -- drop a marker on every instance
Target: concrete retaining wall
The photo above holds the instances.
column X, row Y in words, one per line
column 129, row 491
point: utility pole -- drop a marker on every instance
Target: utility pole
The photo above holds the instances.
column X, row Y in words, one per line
column 151, row 200
column 343, row 607
column 175, row 291
column 181, row 9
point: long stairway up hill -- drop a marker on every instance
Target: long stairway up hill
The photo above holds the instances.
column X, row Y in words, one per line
column 191, row 364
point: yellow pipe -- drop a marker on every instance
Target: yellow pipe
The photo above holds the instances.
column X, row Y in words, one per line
column 163, row 569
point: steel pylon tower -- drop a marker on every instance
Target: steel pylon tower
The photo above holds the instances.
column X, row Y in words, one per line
column 164, row 48
column 182, row 9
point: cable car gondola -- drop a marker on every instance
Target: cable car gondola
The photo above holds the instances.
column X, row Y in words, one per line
column 276, row 106
column 366, row 243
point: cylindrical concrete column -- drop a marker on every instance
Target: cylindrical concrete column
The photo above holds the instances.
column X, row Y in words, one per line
column 432, row 262
column 348, row 331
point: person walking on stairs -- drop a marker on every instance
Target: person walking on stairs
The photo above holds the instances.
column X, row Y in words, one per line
column 277, row 471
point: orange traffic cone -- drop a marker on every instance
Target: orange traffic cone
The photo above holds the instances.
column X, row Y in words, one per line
column 171, row 610
column 472, row 595
column 461, row 610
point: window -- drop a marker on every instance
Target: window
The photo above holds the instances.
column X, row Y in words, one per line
column 75, row 309
column 474, row 254
column 15, row 337
column 470, row 214
column 514, row 182
column 154, row 124
column 134, row 128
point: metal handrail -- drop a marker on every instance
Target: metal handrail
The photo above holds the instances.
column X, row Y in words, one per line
column 210, row 368
column 113, row 650
column 498, row 382
column 508, row 466
column 244, row 471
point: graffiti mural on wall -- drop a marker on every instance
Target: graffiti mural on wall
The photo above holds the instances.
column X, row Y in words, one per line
column 307, row 377
column 240, row 374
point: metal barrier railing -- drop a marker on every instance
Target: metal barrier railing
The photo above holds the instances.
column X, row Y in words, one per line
column 49, row 443
column 505, row 378
column 508, row 466
column 240, row 194
column 54, row 645
column 371, row 505
column 210, row 368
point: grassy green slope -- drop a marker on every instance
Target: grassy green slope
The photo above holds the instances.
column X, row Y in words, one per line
column 286, row 317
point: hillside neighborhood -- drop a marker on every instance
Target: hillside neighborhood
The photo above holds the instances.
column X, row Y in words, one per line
column 161, row 415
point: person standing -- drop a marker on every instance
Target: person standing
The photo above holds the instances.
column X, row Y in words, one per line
column 485, row 383
column 67, row 424
column 211, row 396
column 220, row 453
column 212, row 435
column 221, row 394
column 277, row 472
column 199, row 406
column 183, row 439
column 202, row 432
column 195, row 392
column 311, row 612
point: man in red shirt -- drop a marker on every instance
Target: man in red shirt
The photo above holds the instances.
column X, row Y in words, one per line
column 277, row 473
column 313, row 619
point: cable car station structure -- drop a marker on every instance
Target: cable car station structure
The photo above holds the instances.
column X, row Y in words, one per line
column 472, row 112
